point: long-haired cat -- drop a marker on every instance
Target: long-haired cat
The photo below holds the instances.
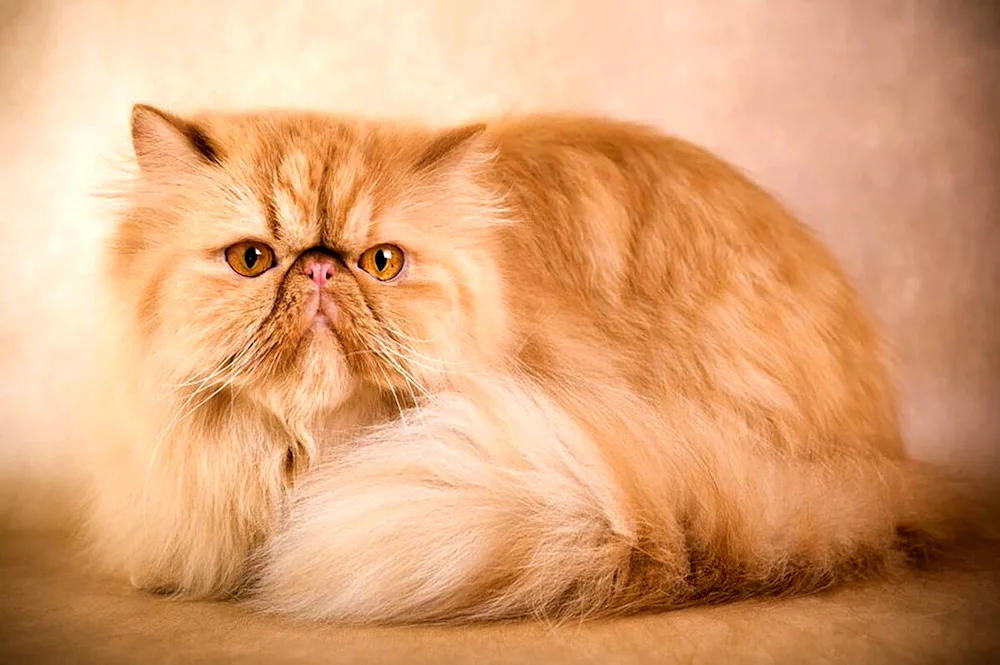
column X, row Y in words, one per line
column 552, row 366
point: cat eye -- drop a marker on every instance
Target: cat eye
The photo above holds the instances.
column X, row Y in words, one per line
column 250, row 258
column 383, row 262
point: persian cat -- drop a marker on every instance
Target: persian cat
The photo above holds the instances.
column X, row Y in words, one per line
column 547, row 366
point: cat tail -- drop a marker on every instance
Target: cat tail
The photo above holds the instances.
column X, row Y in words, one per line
column 484, row 508
column 945, row 515
column 766, row 524
column 497, row 505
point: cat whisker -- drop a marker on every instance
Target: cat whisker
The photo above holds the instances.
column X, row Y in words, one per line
column 234, row 369
column 399, row 334
column 396, row 361
column 416, row 402
column 400, row 358
column 213, row 371
column 216, row 370
column 223, row 365
column 399, row 337
column 399, row 407
column 432, row 364
column 393, row 358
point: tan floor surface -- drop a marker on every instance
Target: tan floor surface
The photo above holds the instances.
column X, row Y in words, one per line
column 53, row 611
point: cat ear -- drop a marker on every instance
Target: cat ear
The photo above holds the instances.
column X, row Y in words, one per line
column 452, row 147
column 164, row 142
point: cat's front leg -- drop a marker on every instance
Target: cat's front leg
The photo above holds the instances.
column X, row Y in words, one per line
column 182, row 514
column 491, row 506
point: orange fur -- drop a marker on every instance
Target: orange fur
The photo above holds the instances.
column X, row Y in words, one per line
column 615, row 374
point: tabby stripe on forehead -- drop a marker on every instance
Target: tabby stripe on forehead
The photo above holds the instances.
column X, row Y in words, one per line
column 271, row 214
column 332, row 214
column 270, row 180
column 322, row 191
column 292, row 184
column 344, row 208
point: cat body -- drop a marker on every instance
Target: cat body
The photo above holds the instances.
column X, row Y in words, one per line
column 550, row 365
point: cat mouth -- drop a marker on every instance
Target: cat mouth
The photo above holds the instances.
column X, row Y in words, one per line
column 320, row 313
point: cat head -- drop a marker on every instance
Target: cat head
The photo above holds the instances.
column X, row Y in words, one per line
column 308, row 256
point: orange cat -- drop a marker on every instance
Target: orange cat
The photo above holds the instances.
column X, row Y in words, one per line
column 550, row 366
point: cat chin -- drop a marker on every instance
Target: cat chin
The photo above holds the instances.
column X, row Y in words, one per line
column 316, row 377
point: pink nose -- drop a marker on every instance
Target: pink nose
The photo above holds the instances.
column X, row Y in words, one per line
column 318, row 270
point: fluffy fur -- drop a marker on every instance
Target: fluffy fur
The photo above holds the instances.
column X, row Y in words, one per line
column 614, row 374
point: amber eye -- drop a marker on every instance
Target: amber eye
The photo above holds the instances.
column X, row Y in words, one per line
column 383, row 262
column 250, row 258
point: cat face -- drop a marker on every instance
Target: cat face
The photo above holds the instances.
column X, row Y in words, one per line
column 309, row 256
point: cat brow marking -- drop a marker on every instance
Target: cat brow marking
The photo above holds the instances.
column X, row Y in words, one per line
column 294, row 195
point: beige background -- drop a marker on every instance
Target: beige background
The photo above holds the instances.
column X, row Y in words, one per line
column 877, row 121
